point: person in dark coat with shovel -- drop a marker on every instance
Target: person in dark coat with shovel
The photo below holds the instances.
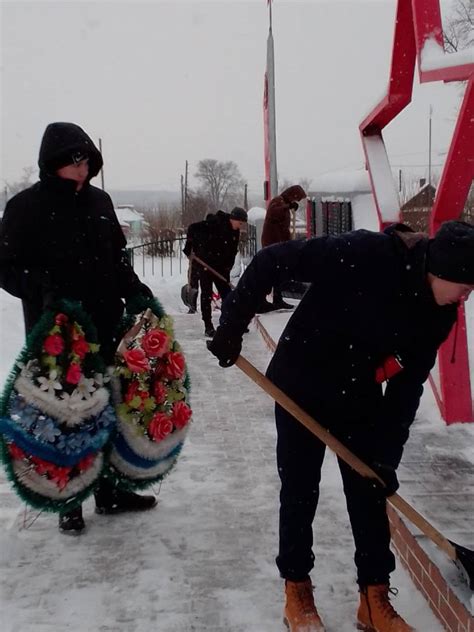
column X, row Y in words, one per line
column 215, row 242
column 377, row 310
column 60, row 239
column 276, row 229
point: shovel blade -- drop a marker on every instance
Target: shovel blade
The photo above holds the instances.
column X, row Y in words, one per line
column 189, row 296
column 465, row 562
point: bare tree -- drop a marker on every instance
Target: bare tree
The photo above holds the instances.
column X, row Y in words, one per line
column 221, row 182
column 459, row 29
column 198, row 206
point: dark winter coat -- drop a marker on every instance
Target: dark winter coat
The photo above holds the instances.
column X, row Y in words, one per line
column 59, row 243
column 369, row 299
column 214, row 241
column 276, row 227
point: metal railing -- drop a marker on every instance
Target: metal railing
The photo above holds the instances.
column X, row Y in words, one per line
column 165, row 257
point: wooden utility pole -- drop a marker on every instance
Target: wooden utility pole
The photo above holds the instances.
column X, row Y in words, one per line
column 182, row 199
column 246, row 202
column 186, row 187
column 102, row 169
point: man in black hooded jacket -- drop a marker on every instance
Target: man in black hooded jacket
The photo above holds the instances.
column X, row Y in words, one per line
column 378, row 308
column 215, row 241
column 60, row 238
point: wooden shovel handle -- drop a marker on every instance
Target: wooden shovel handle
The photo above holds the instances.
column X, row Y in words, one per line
column 346, row 455
column 214, row 272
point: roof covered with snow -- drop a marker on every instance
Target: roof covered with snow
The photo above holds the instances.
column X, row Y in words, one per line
column 128, row 214
column 337, row 182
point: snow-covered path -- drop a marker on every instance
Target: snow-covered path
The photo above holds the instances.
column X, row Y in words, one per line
column 203, row 560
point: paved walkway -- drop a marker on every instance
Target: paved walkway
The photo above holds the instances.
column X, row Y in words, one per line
column 203, row 560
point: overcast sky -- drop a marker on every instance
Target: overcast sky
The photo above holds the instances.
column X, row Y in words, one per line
column 162, row 82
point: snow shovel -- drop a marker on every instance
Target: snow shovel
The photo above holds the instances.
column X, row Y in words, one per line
column 462, row 557
column 214, row 272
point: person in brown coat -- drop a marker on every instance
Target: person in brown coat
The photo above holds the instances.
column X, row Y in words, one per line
column 276, row 228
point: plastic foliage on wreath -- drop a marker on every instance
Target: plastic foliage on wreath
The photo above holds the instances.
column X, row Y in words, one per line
column 151, row 394
column 55, row 413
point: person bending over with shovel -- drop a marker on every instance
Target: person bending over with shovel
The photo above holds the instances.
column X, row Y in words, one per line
column 378, row 307
column 214, row 243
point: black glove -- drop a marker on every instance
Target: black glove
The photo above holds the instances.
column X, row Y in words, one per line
column 226, row 345
column 389, row 476
column 294, row 206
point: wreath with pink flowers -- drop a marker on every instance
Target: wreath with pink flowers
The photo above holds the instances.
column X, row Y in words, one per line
column 151, row 395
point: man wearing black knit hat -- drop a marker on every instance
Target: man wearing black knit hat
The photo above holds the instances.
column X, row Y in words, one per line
column 215, row 242
column 377, row 310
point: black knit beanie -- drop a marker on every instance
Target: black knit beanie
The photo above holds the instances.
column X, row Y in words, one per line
column 239, row 214
column 451, row 253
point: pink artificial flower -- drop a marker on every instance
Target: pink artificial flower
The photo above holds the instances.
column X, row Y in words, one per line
column 160, row 426
column 80, row 347
column 159, row 392
column 155, row 343
column 61, row 319
column 136, row 361
column 54, row 345
column 175, row 367
column 181, row 414
column 74, row 373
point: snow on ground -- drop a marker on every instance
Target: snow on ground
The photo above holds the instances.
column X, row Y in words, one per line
column 202, row 561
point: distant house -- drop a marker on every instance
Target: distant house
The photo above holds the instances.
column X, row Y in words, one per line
column 131, row 221
column 416, row 212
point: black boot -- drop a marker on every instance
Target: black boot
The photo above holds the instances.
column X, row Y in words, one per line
column 72, row 522
column 209, row 330
column 111, row 500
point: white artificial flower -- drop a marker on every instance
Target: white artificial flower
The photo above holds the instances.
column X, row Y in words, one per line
column 85, row 387
column 50, row 384
column 29, row 369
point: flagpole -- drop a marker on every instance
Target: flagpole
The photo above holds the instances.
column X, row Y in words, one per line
column 271, row 173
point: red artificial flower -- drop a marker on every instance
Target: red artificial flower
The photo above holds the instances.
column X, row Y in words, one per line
column 159, row 392
column 41, row 466
column 133, row 391
column 61, row 319
column 160, row 426
column 86, row 462
column 155, row 343
column 74, row 373
column 16, row 452
column 80, row 347
column 136, row 361
column 174, row 367
column 181, row 414
column 54, row 345
column 59, row 475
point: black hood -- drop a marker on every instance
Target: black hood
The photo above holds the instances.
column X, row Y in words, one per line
column 62, row 140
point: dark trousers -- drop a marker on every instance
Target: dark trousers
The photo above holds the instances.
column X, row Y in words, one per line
column 206, row 279
column 299, row 457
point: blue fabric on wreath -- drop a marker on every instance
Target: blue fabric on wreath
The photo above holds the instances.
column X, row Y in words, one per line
column 38, row 434
column 127, row 454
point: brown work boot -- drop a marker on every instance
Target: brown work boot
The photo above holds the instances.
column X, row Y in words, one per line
column 300, row 612
column 376, row 613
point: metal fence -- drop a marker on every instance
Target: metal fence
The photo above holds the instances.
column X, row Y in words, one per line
column 165, row 257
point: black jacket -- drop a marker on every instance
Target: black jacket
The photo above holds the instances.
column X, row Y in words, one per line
column 214, row 241
column 368, row 300
column 57, row 242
